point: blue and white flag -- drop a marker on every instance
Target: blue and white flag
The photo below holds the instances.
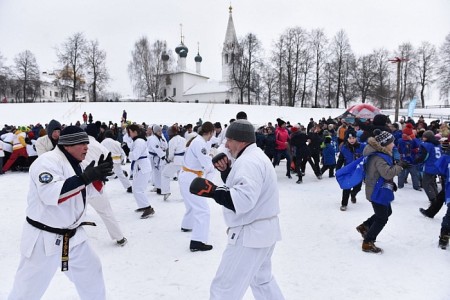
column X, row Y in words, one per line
column 412, row 106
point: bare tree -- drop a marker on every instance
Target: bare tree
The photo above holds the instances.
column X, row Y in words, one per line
column 70, row 56
column 318, row 42
column 95, row 61
column 277, row 59
column 381, row 88
column 364, row 75
column 253, row 46
column 408, row 83
column 444, row 69
column 269, row 81
column 4, row 77
column 340, row 49
column 27, row 72
column 425, row 66
column 348, row 90
column 146, row 67
column 295, row 43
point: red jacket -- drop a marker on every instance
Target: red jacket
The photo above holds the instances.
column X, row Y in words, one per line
column 281, row 138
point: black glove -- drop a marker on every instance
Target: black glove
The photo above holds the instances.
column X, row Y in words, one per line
column 202, row 187
column 404, row 164
column 394, row 186
column 100, row 172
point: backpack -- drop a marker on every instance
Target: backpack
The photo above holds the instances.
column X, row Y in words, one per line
column 352, row 174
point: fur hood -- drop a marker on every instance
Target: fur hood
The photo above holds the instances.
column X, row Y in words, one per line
column 374, row 146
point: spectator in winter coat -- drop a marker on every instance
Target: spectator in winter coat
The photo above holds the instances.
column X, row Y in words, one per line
column 315, row 141
column 430, row 151
column 380, row 187
column 282, row 146
column 269, row 143
column 85, row 117
column 328, row 157
column 350, row 151
column 299, row 140
column 379, row 122
column 408, row 148
column 49, row 141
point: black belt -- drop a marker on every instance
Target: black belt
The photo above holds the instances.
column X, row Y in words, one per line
column 66, row 233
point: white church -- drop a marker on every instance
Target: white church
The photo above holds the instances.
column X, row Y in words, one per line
column 187, row 86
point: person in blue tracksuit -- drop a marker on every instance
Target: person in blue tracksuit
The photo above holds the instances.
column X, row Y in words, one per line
column 350, row 150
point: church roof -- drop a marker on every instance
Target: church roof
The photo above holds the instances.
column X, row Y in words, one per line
column 230, row 35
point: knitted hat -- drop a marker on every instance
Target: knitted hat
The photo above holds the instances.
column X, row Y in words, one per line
column 73, row 135
column 380, row 120
column 429, row 135
column 241, row 131
column 350, row 132
column 280, row 122
column 156, row 128
column 384, row 138
column 408, row 130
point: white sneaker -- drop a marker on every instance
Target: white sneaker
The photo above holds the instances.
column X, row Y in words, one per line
column 166, row 196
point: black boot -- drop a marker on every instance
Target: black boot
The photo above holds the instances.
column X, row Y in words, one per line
column 199, row 246
column 443, row 239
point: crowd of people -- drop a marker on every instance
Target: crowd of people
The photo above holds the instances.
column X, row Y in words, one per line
column 81, row 158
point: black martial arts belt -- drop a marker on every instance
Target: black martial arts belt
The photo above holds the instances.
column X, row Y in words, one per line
column 66, row 233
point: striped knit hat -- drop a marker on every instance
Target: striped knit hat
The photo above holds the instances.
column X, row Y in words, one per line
column 73, row 135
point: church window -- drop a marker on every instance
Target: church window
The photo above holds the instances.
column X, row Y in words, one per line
column 174, row 92
column 56, row 94
column 226, row 58
column 165, row 92
column 50, row 93
column 43, row 92
column 168, row 80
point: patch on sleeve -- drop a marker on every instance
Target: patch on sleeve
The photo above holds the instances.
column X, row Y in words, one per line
column 45, row 177
column 204, row 151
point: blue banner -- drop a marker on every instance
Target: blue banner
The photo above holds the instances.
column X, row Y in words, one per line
column 412, row 107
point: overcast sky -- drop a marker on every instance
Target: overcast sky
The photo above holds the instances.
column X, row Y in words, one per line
column 40, row 26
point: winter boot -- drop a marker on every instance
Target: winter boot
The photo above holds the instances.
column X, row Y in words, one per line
column 149, row 211
column 122, row 242
column 443, row 239
column 353, row 199
column 370, row 247
column 299, row 181
column 343, row 208
column 362, row 229
column 288, row 175
column 199, row 246
column 129, row 190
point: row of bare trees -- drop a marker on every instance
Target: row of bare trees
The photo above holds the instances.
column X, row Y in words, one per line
column 82, row 64
column 305, row 68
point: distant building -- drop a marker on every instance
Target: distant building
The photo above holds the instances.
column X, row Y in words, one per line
column 53, row 89
column 184, row 85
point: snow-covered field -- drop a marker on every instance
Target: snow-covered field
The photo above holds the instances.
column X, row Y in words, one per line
column 319, row 257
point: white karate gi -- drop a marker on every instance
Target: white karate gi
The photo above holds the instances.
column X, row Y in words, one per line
column 141, row 171
column 157, row 147
column 117, row 155
column 41, row 250
column 99, row 200
column 177, row 148
column 253, row 230
column 197, row 215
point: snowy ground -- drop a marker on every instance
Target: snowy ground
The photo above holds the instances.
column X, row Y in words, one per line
column 319, row 257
